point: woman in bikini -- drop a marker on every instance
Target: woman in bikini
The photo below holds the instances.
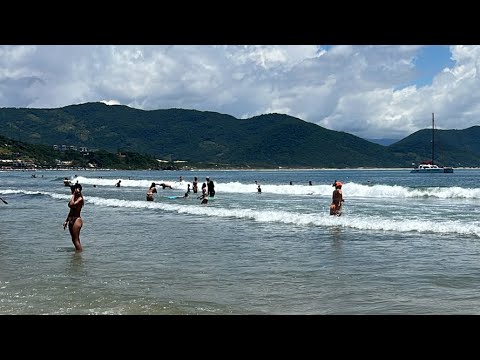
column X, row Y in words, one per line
column 204, row 196
column 151, row 190
column 74, row 221
column 337, row 199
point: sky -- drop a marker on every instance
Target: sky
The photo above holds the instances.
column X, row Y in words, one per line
column 371, row 91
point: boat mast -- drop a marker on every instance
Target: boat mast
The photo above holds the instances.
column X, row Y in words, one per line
column 433, row 136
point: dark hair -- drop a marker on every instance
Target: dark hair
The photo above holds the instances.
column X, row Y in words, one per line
column 77, row 186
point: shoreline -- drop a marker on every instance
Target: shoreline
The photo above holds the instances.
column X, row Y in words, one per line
column 229, row 169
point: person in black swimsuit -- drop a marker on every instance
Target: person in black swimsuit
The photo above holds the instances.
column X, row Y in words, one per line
column 195, row 185
column 210, row 187
column 74, row 220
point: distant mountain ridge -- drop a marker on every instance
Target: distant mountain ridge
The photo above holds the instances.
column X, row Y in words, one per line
column 384, row 142
column 270, row 140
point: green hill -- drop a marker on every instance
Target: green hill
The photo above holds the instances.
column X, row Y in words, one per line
column 213, row 139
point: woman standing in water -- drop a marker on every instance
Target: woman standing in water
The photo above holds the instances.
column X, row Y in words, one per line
column 337, row 199
column 151, row 190
column 195, row 185
column 74, row 221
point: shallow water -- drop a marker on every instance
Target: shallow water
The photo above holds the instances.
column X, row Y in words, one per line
column 406, row 244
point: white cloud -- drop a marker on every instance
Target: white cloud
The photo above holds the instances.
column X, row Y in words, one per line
column 110, row 102
column 368, row 91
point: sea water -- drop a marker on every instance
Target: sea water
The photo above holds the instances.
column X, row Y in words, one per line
column 405, row 243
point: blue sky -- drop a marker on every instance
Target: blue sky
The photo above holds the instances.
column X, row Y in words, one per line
column 371, row 91
column 430, row 61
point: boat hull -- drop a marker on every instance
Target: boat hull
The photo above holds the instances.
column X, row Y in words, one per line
column 448, row 170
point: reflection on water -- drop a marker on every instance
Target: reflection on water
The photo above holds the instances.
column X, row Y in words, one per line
column 76, row 262
column 337, row 238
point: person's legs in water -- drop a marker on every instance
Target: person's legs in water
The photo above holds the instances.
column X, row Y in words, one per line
column 75, row 225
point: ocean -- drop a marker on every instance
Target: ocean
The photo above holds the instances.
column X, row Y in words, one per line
column 405, row 244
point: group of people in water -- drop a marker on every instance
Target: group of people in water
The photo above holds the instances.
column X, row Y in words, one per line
column 75, row 204
column 208, row 189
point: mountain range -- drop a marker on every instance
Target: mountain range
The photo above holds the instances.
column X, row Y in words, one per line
column 214, row 139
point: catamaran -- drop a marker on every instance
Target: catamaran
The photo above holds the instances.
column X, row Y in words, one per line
column 427, row 166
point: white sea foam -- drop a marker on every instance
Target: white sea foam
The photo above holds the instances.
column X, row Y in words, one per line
column 313, row 218
column 351, row 189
